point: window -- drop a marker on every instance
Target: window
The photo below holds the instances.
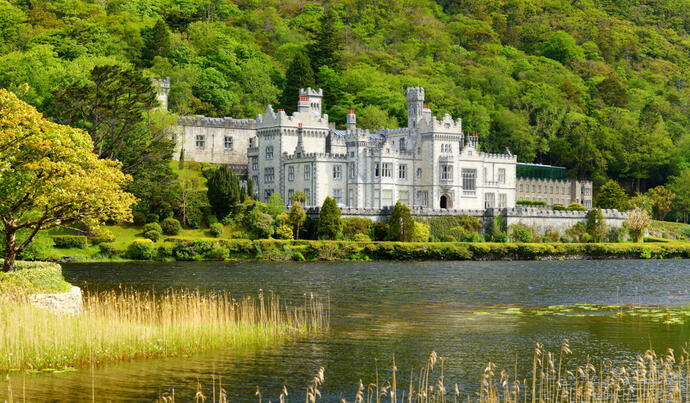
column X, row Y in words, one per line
column 200, row 141
column 350, row 198
column 489, row 199
column 268, row 175
column 269, row 152
column 403, row 146
column 521, row 187
column 422, row 197
column 290, row 193
column 419, row 172
column 446, row 148
column 338, row 196
column 402, row 171
column 255, row 163
column 386, row 170
column 307, row 192
column 387, row 197
column 227, row 143
column 551, row 189
column 376, row 169
column 539, row 188
column 267, row 193
column 291, row 174
column 501, row 175
column 446, row 172
column 307, row 172
column 502, row 200
column 337, row 172
column 469, row 179
column 404, row 196
column 353, row 174
column 534, row 188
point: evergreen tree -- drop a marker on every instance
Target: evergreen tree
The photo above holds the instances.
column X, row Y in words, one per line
column 330, row 224
column 275, row 205
column 223, row 191
column 596, row 225
column 299, row 75
column 156, row 42
column 327, row 45
column 400, row 223
column 612, row 195
column 243, row 194
column 250, row 188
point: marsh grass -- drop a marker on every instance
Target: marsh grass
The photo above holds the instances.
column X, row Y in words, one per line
column 129, row 324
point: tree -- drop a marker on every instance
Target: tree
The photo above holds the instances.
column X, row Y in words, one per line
column 612, row 196
column 327, row 44
column 400, row 223
column 223, row 191
column 156, row 42
column 613, row 92
column 330, row 224
column 562, row 47
column 296, row 217
column 299, row 197
column 275, row 205
column 250, row 188
column 299, row 75
column 50, row 177
column 637, row 222
column 662, row 200
column 596, row 225
column 680, row 185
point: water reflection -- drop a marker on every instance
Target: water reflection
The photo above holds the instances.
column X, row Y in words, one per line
column 385, row 308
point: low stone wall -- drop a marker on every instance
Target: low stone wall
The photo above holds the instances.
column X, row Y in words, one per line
column 66, row 303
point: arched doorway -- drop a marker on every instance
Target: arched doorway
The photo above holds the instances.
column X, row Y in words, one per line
column 444, row 202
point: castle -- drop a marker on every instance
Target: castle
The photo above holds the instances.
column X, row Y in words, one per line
column 431, row 165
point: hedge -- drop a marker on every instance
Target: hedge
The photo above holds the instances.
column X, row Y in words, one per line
column 34, row 277
column 531, row 203
column 70, row 241
column 276, row 249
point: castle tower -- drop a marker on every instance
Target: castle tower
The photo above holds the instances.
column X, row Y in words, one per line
column 415, row 106
column 351, row 120
column 162, row 87
column 310, row 101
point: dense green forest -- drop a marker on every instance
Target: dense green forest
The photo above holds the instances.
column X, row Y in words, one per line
column 600, row 87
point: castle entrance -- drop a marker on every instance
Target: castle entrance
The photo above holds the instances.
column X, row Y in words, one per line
column 444, row 201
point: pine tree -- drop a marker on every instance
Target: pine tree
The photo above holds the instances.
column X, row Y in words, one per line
column 328, row 42
column 330, row 224
column 612, row 195
column 596, row 225
column 156, row 42
column 250, row 188
column 299, row 75
column 400, row 223
column 223, row 191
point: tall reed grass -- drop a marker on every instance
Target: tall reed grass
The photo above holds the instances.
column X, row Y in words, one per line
column 127, row 324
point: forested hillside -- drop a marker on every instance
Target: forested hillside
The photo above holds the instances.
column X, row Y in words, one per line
column 601, row 87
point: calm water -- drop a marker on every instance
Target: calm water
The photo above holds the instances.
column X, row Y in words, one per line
column 382, row 308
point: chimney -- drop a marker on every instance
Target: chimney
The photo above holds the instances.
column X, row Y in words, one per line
column 351, row 120
column 303, row 104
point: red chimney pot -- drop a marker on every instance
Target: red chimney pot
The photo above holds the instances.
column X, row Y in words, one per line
column 426, row 106
column 299, row 125
column 304, row 98
column 351, row 112
column 281, row 110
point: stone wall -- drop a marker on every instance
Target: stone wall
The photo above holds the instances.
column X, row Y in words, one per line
column 66, row 303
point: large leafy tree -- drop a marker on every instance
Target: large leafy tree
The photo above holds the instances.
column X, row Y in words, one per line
column 299, row 75
column 680, row 185
column 611, row 195
column 330, row 224
column 400, row 223
column 49, row 177
column 223, row 190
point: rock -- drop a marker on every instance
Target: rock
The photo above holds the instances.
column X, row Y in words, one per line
column 66, row 303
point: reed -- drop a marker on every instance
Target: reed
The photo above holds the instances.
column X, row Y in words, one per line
column 128, row 324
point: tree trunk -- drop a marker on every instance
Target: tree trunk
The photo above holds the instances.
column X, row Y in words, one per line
column 10, row 250
column 297, row 232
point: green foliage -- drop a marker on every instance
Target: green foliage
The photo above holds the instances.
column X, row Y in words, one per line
column 153, row 235
column 330, row 224
column 298, row 75
column 577, row 233
column 275, row 205
column 284, row 232
column 156, row 42
column 356, row 225
column 562, row 47
column 596, row 225
column 223, row 190
column 531, row 203
column 70, row 241
column 141, row 249
column 33, row 277
column 139, row 218
column 153, row 226
column 217, row 229
column 259, row 223
column 296, row 217
column 400, row 224
column 325, row 50
column 422, row 232
column 101, row 235
column 452, row 225
column 520, row 232
column 497, row 233
column 108, row 250
column 574, row 206
column 218, row 252
column 152, row 218
column 380, row 231
column 358, row 237
column 612, row 196
column 171, row 226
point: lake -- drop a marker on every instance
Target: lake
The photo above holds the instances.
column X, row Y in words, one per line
column 383, row 308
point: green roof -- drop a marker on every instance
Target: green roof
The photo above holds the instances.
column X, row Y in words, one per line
column 524, row 170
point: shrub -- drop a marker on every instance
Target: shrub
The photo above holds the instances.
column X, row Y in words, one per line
column 218, row 252
column 152, row 217
column 102, row 235
column 195, row 219
column 211, row 219
column 576, row 232
column 531, row 203
column 153, row 235
column 259, row 223
column 217, row 229
column 284, row 232
column 380, row 230
column 330, row 224
column 472, row 237
column 108, row 250
column 356, row 225
column 559, row 207
column 637, row 222
column 154, row 226
column 447, row 238
column 445, row 225
column 400, row 223
column 139, row 218
column 596, row 225
column 520, row 232
column 497, row 232
column 141, row 249
column 70, row 241
column 164, row 210
column 298, row 257
column 29, row 277
column 576, row 207
column 165, row 251
column 192, row 250
column 619, row 234
column 361, row 238
column 171, row 226
column 421, row 232
column 552, row 236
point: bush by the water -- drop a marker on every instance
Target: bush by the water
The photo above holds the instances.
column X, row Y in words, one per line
column 70, row 241
column 217, row 229
column 171, row 226
column 141, row 249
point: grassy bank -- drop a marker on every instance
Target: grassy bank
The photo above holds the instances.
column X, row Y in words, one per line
column 33, row 277
column 132, row 324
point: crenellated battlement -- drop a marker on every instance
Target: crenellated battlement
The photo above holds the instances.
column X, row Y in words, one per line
column 315, row 156
column 225, row 122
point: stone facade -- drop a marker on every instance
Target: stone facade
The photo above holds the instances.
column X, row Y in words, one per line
column 430, row 164
column 555, row 191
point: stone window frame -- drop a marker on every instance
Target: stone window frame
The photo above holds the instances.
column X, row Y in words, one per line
column 502, row 200
column 402, row 171
column 200, row 141
column 269, row 152
column 501, row 175
column 337, row 172
column 307, row 172
column 377, row 169
column 469, row 179
column 388, row 200
column 489, row 199
column 269, row 175
column 338, row 195
column 291, row 173
column 386, row 170
column 446, row 172
column 419, row 172
column 255, row 163
column 268, row 193
column 228, row 143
